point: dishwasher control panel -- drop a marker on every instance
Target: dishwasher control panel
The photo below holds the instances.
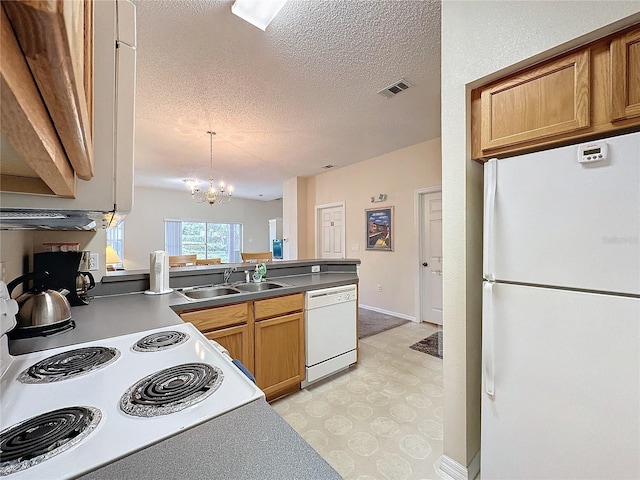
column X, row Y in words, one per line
column 330, row 296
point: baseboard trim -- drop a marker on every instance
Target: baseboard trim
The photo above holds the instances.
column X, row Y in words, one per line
column 453, row 470
column 388, row 312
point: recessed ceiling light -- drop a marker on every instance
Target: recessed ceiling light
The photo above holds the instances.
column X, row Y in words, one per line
column 257, row 12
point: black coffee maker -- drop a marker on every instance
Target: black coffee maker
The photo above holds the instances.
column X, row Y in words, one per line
column 64, row 272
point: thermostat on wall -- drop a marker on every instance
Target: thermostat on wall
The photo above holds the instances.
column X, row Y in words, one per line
column 592, row 152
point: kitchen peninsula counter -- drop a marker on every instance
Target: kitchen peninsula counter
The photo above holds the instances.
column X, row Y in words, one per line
column 132, row 311
column 251, row 442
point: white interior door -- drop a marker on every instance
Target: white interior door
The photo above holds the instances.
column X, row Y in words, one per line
column 431, row 257
column 330, row 231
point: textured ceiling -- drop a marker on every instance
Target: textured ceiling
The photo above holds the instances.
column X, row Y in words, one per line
column 284, row 102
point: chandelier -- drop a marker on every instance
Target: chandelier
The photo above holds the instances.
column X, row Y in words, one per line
column 211, row 195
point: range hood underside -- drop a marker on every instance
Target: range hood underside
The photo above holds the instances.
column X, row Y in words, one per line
column 18, row 219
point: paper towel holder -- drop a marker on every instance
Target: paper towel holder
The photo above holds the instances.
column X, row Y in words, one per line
column 158, row 273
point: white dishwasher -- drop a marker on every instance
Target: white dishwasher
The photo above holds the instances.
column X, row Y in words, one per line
column 330, row 333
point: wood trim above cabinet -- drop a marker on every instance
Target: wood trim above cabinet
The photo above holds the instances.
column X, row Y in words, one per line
column 625, row 76
column 51, row 35
column 26, row 124
column 17, row 184
column 548, row 100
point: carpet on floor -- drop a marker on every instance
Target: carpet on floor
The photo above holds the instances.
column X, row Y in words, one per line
column 370, row 322
column 431, row 345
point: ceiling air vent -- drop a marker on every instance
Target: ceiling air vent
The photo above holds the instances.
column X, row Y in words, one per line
column 395, row 88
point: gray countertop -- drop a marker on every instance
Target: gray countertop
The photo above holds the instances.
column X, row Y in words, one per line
column 122, row 314
column 106, row 317
column 250, row 442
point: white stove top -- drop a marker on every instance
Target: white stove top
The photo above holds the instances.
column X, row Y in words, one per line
column 117, row 434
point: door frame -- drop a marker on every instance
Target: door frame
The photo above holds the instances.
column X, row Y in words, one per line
column 418, row 216
column 318, row 209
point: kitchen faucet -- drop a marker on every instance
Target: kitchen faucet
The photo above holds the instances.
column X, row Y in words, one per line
column 227, row 274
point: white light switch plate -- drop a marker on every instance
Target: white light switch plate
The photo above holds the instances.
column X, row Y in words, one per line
column 315, row 268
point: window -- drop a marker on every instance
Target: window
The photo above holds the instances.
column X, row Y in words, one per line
column 115, row 239
column 205, row 239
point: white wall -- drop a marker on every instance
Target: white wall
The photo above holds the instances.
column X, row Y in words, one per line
column 16, row 248
column 294, row 213
column 481, row 40
column 144, row 226
column 398, row 174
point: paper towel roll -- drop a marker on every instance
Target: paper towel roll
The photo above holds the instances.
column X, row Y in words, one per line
column 158, row 273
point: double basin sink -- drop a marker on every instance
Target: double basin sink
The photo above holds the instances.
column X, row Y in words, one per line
column 213, row 291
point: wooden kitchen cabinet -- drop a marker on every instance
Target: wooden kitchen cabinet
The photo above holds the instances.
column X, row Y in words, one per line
column 625, row 75
column 541, row 102
column 46, row 67
column 230, row 326
column 590, row 92
column 279, row 344
column 237, row 340
column 266, row 335
column 279, row 354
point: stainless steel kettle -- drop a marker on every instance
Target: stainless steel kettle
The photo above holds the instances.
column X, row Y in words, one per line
column 40, row 308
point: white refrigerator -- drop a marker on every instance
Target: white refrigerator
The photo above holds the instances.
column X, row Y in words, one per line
column 561, row 313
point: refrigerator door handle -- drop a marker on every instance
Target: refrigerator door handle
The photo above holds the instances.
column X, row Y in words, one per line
column 490, row 181
column 487, row 339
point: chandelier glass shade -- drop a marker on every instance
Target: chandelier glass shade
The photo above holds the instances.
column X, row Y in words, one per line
column 213, row 195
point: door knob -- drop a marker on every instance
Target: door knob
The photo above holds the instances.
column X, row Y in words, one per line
column 425, row 264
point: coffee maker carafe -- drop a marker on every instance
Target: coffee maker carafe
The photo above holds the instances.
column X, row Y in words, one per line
column 65, row 272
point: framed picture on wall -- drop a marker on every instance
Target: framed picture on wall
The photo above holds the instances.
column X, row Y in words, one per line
column 379, row 228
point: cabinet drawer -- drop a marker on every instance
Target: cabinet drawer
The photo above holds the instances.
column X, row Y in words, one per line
column 217, row 317
column 272, row 307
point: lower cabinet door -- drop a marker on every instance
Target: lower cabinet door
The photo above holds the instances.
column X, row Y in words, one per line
column 279, row 354
column 237, row 340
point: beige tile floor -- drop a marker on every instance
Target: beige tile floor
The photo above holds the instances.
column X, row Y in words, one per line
column 381, row 419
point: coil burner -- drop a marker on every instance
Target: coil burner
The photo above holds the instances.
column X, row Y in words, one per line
column 160, row 341
column 171, row 390
column 70, row 364
column 39, row 438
